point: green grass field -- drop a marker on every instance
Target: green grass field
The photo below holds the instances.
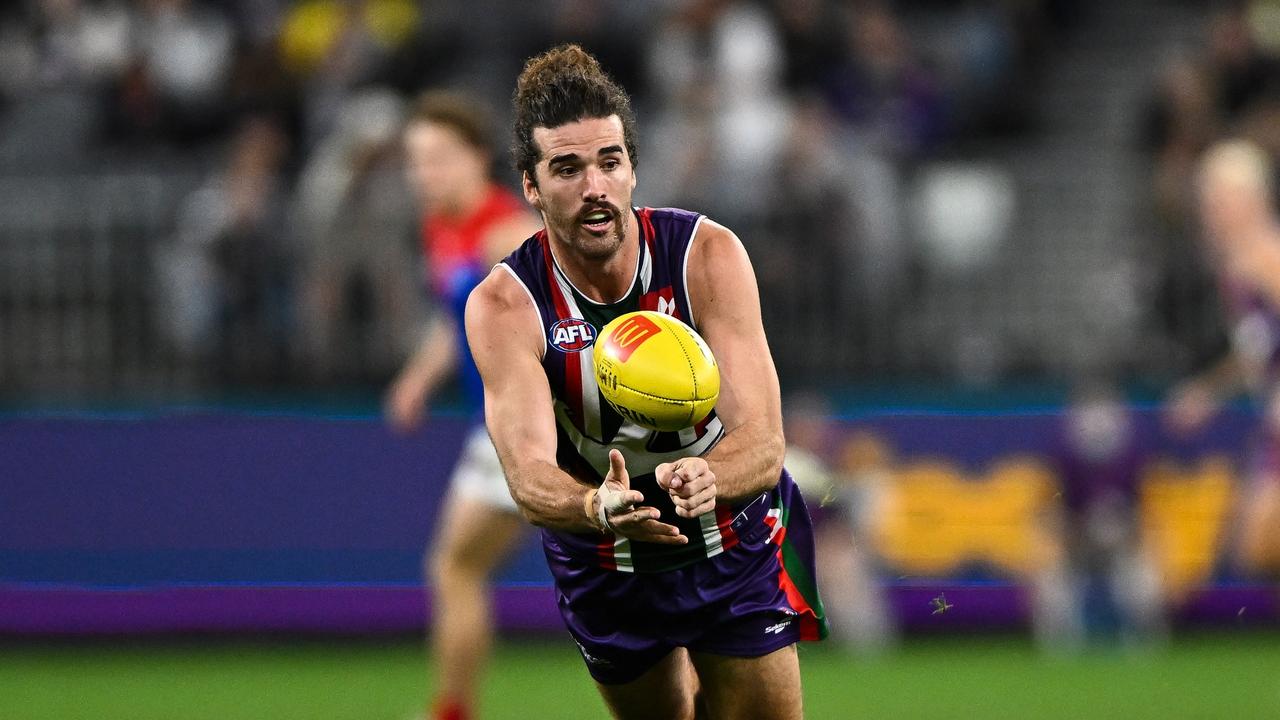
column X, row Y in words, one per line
column 1226, row 675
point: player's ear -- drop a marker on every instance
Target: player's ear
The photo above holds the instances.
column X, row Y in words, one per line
column 531, row 193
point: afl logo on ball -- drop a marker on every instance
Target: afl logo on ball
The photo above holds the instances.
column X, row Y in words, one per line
column 572, row 335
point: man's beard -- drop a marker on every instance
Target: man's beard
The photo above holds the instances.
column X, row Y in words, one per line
column 591, row 247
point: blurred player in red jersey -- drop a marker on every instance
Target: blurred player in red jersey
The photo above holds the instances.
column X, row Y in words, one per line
column 1243, row 235
column 469, row 223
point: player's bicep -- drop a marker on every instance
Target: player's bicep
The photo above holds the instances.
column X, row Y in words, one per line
column 726, row 306
column 505, row 345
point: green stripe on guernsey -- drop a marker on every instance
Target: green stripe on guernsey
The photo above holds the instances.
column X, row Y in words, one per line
column 800, row 577
column 600, row 315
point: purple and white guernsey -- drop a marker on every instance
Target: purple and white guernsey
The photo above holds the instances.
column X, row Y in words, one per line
column 588, row 427
column 744, row 583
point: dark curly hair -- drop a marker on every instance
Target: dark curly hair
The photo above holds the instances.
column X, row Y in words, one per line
column 563, row 85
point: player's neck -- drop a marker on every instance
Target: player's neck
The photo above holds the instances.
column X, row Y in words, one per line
column 606, row 280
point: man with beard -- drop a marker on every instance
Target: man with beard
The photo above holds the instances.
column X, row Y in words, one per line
column 683, row 561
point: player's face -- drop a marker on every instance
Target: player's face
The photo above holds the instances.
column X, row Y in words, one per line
column 584, row 185
column 442, row 167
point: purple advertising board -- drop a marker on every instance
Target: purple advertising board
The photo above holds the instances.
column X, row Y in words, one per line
column 247, row 522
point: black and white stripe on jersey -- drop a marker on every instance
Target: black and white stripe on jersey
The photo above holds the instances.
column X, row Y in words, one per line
column 588, row 426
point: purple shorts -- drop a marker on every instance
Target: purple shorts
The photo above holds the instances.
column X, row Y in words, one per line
column 755, row 597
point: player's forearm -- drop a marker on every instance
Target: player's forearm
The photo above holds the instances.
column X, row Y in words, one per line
column 433, row 360
column 430, row 372
column 549, row 497
column 747, row 461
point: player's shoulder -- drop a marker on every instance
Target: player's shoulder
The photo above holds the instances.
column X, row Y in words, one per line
column 702, row 227
column 672, row 214
column 500, row 291
column 501, row 312
column 526, row 263
column 718, row 265
column 710, row 231
column 713, row 243
column 670, row 224
column 507, row 287
column 501, row 318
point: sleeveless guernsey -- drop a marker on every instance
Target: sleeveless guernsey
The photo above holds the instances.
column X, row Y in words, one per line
column 587, row 426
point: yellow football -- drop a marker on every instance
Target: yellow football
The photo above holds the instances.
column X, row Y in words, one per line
column 656, row 371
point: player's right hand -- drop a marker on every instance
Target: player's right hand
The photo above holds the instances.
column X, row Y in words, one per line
column 617, row 505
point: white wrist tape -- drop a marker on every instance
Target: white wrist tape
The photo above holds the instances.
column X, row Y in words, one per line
column 611, row 501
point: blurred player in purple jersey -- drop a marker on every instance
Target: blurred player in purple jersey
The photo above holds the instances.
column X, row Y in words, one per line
column 683, row 561
column 469, row 222
column 1243, row 235
column 1112, row 589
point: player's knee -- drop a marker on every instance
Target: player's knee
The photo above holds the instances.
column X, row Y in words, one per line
column 440, row 566
column 680, row 709
column 449, row 565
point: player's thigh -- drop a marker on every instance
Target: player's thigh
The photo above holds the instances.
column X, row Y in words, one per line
column 751, row 688
column 479, row 524
column 665, row 692
column 473, row 536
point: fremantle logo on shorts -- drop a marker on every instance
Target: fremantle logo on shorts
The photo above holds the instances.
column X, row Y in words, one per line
column 777, row 628
column 572, row 335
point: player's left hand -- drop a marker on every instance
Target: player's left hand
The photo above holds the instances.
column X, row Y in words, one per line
column 690, row 483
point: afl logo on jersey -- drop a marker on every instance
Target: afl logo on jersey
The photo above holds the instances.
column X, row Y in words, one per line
column 572, row 335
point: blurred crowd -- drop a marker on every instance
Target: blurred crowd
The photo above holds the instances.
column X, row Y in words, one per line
column 859, row 147
column 148, row 74
column 293, row 258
